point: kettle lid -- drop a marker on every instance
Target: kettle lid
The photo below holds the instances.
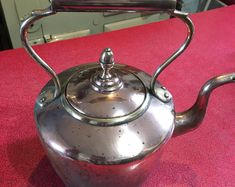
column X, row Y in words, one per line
column 106, row 94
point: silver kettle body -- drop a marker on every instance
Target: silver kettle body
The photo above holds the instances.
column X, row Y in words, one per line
column 101, row 152
column 103, row 124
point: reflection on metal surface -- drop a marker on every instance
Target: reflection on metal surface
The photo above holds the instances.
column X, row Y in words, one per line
column 119, row 112
column 134, row 166
column 162, row 116
column 129, row 144
column 136, row 97
column 57, row 147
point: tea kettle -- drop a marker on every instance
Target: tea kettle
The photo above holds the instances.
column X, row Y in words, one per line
column 103, row 124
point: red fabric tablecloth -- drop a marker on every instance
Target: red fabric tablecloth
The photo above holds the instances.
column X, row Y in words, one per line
column 205, row 157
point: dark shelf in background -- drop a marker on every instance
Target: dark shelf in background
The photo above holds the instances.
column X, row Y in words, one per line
column 5, row 42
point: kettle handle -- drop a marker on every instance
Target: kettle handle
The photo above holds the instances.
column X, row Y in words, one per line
column 184, row 17
column 38, row 14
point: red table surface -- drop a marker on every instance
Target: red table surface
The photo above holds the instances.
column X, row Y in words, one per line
column 205, row 157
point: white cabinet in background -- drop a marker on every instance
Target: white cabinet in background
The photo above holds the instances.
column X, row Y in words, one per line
column 66, row 25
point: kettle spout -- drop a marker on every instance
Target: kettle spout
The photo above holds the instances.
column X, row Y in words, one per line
column 190, row 119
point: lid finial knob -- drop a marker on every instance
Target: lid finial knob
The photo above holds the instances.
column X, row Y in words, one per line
column 107, row 62
column 106, row 81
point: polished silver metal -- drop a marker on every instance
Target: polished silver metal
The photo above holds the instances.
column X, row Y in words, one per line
column 107, row 62
column 106, row 81
column 184, row 17
column 103, row 124
column 104, row 108
column 87, row 154
column 163, row 94
column 192, row 118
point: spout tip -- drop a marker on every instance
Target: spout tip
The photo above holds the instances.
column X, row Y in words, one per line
column 233, row 78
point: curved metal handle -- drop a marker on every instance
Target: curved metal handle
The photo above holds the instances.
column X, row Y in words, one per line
column 36, row 15
column 184, row 17
column 101, row 5
column 86, row 6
